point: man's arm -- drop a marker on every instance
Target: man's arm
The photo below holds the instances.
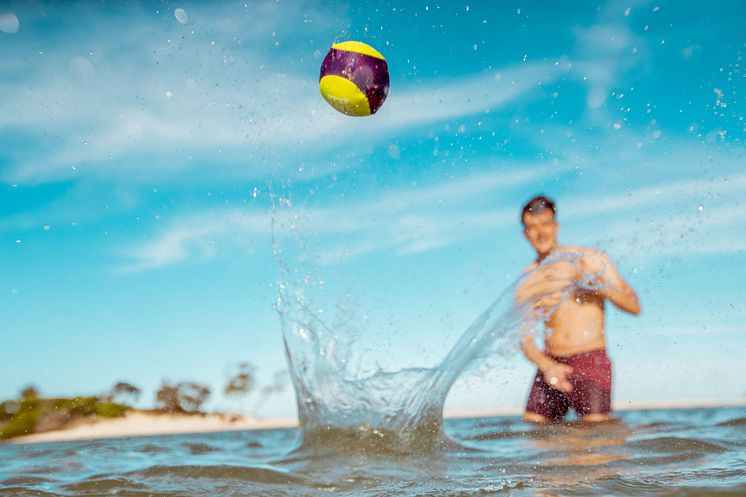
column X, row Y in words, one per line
column 610, row 283
column 544, row 286
column 554, row 372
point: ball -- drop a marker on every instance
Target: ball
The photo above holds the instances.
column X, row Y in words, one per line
column 354, row 78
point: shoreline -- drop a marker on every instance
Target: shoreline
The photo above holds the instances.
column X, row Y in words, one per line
column 145, row 424
column 149, row 424
column 626, row 405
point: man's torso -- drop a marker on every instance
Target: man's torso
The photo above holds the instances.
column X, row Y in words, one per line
column 576, row 324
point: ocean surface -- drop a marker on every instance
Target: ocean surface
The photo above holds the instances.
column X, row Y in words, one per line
column 366, row 431
column 679, row 452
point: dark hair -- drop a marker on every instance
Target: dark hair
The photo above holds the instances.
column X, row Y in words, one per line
column 538, row 204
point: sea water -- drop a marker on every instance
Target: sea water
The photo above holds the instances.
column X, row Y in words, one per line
column 675, row 452
column 381, row 432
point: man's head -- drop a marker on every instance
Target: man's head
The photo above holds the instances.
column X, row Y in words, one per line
column 540, row 225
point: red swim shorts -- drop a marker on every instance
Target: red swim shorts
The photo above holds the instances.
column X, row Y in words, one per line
column 591, row 388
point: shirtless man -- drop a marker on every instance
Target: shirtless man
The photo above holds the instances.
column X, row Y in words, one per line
column 565, row 288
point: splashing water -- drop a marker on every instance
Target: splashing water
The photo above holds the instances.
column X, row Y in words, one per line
column 397, row 411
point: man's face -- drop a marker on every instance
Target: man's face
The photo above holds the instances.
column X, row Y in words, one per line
column 541, row 230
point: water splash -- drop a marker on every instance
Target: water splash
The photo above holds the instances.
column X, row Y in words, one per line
column 341, row 406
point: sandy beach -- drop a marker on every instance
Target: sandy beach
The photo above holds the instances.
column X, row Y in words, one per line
column 139, row 423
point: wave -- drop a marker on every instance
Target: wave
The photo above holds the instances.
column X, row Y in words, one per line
column 677, row 445
column 733, row 422
column 254, row 473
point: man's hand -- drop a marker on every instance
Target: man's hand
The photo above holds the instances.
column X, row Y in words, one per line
column 556, row 375
column 601, row 278
column 548, row 285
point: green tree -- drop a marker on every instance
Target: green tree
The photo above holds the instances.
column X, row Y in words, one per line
column 241, row 382
column 183, row 397
column 192, row 396
column 124, row 393
column 30, row 392
column 167, row 398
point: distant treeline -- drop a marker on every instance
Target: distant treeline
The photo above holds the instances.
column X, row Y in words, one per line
column 32, row 413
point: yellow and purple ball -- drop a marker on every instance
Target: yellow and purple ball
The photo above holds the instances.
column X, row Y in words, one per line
column 354, row 78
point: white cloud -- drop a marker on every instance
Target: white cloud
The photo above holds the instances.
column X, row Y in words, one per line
column 195, row 237
column 667, row 234
column 234, row 124
column 643, row 222
column 408, row 221
column 153, row 97
column 693, row 192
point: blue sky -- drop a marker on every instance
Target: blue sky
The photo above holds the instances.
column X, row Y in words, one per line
column 139, row 145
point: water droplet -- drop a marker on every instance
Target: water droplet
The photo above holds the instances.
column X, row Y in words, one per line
column 181, row 16
column 394, row 151
column 627, row 11
column 9, row 23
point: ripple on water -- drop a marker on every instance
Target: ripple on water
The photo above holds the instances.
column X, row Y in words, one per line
column 661, row 427
column 18, row 491
column 255, row 474
column 199, row 448
column 502, row 435
column 677, row 445
column 733, row 422
column 153, row 449
column 105, row 484
column 700, row 491
column 619, row 485
column 26, row 481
